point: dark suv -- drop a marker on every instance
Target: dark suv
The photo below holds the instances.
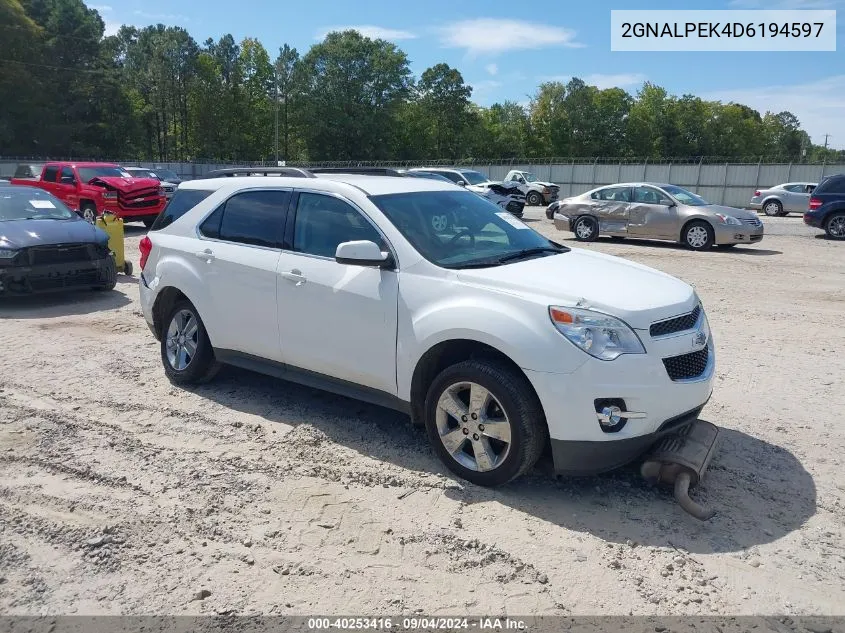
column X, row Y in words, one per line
column 827, row 207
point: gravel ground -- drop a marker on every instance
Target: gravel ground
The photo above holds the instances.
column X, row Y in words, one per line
column 120, row 493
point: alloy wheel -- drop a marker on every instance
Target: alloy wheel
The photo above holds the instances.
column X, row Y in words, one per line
column 583, row 229
column 473, row 427
column 182, row 339
column 836, row 227
column 697, row 236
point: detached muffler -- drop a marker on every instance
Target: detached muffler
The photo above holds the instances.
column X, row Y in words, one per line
column 680, row 459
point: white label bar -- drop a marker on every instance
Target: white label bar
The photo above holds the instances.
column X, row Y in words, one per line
column 745, row 30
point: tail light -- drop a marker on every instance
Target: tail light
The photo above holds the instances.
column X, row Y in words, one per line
column 145, row 246
column 757, row 194
column 815, row 203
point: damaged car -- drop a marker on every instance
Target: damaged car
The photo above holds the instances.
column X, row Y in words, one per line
column 46, row 247
column 656, row 211
column 537, row 192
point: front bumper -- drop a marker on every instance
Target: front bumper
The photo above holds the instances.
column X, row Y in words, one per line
column 580, row 445
column 27, row 280
column 562, row 222
column 738, row 234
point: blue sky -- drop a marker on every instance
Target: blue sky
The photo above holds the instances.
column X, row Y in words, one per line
column 504, row 49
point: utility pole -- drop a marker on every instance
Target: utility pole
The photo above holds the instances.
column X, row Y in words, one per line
column 826, row 136
column 276, row 142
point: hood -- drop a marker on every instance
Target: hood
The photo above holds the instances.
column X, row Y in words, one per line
column 637, row 294
column 542, row 183
column 125, row 185
column 739, row 214
column 26, row 233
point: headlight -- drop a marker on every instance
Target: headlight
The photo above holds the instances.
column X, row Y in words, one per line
column 600, row 335
column 546, row 190
column 728, row 219
column 7, row 253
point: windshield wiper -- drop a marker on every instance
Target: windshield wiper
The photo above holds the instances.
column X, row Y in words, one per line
column 528, row 252
column 485, row 263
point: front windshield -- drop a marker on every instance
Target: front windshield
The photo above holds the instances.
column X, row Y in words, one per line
column 474, row 177
column 141, row 173
column 460, row 229
column 685, row 197
column 529, row 177
column 24, row 203
column 87, row 174
column 166, row 174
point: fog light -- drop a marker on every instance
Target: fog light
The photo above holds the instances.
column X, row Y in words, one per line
column 613, row 414
column 610, row 417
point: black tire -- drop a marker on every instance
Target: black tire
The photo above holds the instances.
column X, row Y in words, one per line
column 550, row 214
column 127, row 268
column 586, row 229
column 202, row 367
column 835, row 226
column 88, row 212
column 773, row 208
column 697, row 245
column 110, row 276
column 518, row 402
column 534, row 199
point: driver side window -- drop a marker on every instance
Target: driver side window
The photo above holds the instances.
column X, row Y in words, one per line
column 323, row 222
column 648, row 195
column 66, row 176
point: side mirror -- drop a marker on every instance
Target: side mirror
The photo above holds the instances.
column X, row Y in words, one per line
column 362, row 253
column 461, row 183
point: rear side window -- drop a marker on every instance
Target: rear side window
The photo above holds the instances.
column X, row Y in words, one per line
column 835, row 184
column 182, row 201
column 251, row 217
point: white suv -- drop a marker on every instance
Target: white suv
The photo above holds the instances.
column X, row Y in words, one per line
column 412, row 294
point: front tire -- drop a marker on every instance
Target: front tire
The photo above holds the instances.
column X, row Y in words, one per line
column 186, row 351
column 773, row 208
column 835, row 226
column 110, row 271
column 698, row 236
column 586, row 229
column 485, row 422
column 534, row 199
column 89, row 213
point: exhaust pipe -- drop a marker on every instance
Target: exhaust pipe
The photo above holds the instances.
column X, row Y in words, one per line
column 680, row 460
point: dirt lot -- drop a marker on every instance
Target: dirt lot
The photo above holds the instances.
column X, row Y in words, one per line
column 120, row 493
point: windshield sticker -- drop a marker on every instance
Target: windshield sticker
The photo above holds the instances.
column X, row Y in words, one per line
column 42, row 204
column 507, row 217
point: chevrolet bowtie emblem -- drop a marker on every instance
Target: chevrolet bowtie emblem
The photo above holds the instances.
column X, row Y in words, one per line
column 699, row 339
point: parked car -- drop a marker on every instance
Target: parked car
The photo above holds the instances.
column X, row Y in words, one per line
column 30, row 171
column 506, row 195
column 3, row 181
column 45, row 247
column 791, row 197
column 91, row 189
column 550, row 210
column 501, row 342
column 469, row 178
column 537, row 192
column 656, row 211
column 168, row 179
column 826, row 209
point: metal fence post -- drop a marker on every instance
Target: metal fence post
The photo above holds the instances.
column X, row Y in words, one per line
column 698, row 177
column 824, row 163
column 645, row 169
column 669, row 175
column 724, row 185
column 757, row 177
column 595, row 162
column 619, row 172
column 788, row 172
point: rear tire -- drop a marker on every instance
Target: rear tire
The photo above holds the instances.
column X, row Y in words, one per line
column 515, row 434
column 186, row 351
column 534, row 199
column 773, row 208
column 586, row 229
column 835, row 226
column 698, row 235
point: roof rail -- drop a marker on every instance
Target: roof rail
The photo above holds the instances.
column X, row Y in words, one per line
column 365, row 171
column 292, row 172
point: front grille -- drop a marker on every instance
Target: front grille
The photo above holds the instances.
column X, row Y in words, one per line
column 61, row 254
column 149, row 202
column 687, row 366
column 55, row 282
column 151, row 198
column 515, row 207
column 675, row 324
column 753, row 222
column 554, row 188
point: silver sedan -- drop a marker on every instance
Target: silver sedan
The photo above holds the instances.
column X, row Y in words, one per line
column 790, row 197
column 656, row 211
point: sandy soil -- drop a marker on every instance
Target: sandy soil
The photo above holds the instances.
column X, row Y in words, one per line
column 120, row 493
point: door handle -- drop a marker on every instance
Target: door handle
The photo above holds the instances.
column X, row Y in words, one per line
column 294, row 275
column 207, row 255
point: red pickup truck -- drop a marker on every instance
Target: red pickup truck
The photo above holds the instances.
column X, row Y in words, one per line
column 92, row 188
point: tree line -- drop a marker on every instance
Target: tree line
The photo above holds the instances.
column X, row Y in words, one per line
column 155, row 93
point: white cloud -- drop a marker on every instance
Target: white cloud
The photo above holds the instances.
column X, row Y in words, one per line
column 484, row 92
column 162, row 17
column 112, row 27
column 602, row 81
column 817, row 104
column 491, row 36
column 100, row 7
column 492, row 69
column 369, row 30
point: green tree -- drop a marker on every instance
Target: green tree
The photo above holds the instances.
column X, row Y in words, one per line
column 444, row 102
column 287, row 95
column 354, row 87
